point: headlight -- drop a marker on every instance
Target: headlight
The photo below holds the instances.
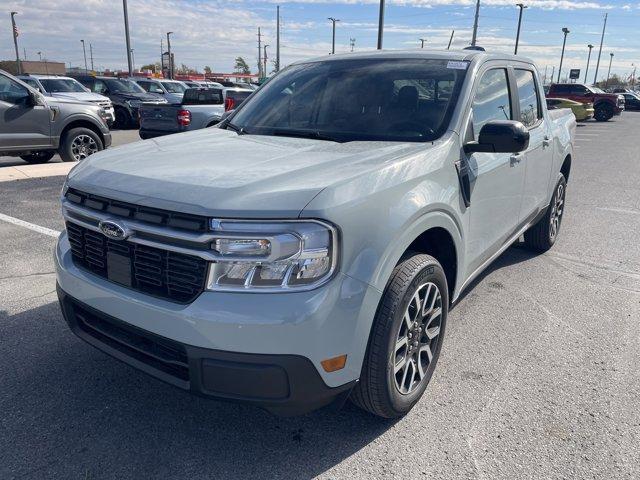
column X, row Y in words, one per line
column 272, row 255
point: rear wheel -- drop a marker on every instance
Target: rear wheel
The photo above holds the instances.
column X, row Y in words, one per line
column 603, row 112
column 543, row 234
column 406, row 338
column 38, row 157
column 79, row 143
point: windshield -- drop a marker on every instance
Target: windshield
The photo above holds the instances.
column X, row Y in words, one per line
column 347, row 100
column 124, row 86
column 174, row 87
column 57, row 85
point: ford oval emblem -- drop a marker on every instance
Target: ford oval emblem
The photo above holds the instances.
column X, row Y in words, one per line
column 112, row 230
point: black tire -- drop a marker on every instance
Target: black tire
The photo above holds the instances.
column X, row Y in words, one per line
column 541, row 236
column 83, row 136
column 123, row 118
column 378, row 390
column 603, row 113
column 38, row 157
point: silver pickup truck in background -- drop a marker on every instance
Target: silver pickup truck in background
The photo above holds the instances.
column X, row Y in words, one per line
column 35, row 127
column 198, row 108
column 308, row 249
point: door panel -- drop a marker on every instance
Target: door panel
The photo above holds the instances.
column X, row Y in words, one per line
column 21, row 124
column 538, row 158
column 497, row 178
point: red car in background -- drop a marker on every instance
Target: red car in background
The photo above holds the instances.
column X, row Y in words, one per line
column 606, row 105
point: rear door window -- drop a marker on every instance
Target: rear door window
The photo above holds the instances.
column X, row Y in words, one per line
column 529, row 98
column 492, row 99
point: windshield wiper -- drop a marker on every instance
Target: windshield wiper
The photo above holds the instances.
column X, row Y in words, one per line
column 305, row 134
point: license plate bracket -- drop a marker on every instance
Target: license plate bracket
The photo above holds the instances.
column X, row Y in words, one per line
column 119, row 269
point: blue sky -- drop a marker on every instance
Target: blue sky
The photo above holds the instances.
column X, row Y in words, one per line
column 214, row 32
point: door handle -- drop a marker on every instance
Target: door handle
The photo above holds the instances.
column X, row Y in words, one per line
column 546, row 142
column 515, row 158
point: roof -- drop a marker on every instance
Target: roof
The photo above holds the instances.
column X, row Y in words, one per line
column 427, row 54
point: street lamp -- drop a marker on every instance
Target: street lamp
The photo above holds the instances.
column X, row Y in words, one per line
column 333, row 35
column 169, row 53
column 588, row 60
column 133, row 61
column 522, row 6
column 422, row 40
column 609, row 72
column 84, row 50
column 265, row 60
column 15, row 41
column 565, row 30
column 40, row 55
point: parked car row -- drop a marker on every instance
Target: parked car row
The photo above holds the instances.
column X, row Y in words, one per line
column 605, row 105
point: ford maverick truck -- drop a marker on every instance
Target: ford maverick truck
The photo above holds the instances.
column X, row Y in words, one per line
column 308, row 248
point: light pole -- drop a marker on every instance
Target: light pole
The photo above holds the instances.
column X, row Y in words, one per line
column 380, row 25
column 133, row 61
column 633, row 76
column 333, row 34
column 604, row 28
column 15, row 41
column 84, row 51
column 169, row 53
column 588, row 60
column 422, row 40
column 450, row 39
column 91, row 56
column 265, row 60
column 522, row 7
column 609, row 71
column 278, row 38
column 126, row 36
column 475, row 24
column 40, row 55
column 565, row 30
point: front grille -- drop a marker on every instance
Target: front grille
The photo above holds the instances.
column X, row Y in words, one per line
column 161, row 273
column 158, row 352
column 184, row 221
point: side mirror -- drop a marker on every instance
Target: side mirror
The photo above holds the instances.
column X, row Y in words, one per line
column 500, row 136
column 35, row 99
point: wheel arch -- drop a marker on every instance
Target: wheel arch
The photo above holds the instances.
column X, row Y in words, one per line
column 435, row 233
column 80, row 123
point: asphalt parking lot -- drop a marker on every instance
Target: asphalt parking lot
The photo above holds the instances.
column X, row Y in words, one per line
column 538, row 377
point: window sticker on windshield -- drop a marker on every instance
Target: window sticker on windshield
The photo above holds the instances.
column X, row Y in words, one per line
column 457, row 65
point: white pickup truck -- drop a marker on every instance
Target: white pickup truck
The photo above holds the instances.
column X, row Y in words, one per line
column 308, row 249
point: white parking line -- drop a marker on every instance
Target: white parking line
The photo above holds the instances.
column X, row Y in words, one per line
column 30, row 226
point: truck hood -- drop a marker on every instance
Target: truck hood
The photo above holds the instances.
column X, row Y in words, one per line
column 219, row 173
column 80, row 96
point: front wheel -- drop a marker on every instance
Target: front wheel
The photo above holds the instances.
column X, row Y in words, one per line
column 79, row 143
column 406, row 338
column 543, row 234
column 38, row 157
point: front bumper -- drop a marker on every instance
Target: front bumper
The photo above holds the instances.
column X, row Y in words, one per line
column 282, row 337
column 107, row 138
column 283, row 384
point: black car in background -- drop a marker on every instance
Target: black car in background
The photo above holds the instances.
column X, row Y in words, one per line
column 631, row 101
column 126, row 96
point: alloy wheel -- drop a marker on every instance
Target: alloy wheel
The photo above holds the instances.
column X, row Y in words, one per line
column 83, row 146
column 557, row 209
column 417, row 338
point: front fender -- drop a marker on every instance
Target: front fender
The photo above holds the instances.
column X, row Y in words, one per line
column 440, row 218
column 80, row 117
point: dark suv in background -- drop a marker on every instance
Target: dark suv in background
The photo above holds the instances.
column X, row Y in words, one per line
column 606, row 105
column 126, row 96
